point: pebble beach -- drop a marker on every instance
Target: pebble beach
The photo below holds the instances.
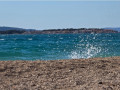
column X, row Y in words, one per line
column 74, row 74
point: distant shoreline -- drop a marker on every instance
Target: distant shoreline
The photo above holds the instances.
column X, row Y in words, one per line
column 59, row 31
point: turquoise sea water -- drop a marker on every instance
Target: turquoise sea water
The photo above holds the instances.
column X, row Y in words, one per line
column 58, row 46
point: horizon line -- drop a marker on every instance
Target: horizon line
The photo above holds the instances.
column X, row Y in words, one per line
column 63, row 28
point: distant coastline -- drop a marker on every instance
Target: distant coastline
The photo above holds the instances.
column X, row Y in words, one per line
column 56, row 31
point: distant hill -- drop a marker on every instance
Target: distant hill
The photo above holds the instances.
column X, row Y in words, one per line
column 112, row 28
column 14, row 28
column 9, row 28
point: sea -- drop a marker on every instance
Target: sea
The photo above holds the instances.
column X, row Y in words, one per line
column 59, row 46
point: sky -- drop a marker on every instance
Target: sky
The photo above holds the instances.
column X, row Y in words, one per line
column 60, row 14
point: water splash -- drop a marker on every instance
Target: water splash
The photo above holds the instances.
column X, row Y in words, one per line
column 87, row 52
column 85, row 48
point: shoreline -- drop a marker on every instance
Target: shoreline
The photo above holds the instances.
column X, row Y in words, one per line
column 61, row 59
column 75, row 74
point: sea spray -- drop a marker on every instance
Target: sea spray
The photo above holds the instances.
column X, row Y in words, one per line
column 87, row 52
column 86, row 47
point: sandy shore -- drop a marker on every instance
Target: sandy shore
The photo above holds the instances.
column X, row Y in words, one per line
column 78, row 74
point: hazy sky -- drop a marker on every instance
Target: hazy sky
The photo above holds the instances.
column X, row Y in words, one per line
column 60, row 14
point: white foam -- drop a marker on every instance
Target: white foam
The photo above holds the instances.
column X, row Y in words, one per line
column 2, row 39
column 29, row 38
